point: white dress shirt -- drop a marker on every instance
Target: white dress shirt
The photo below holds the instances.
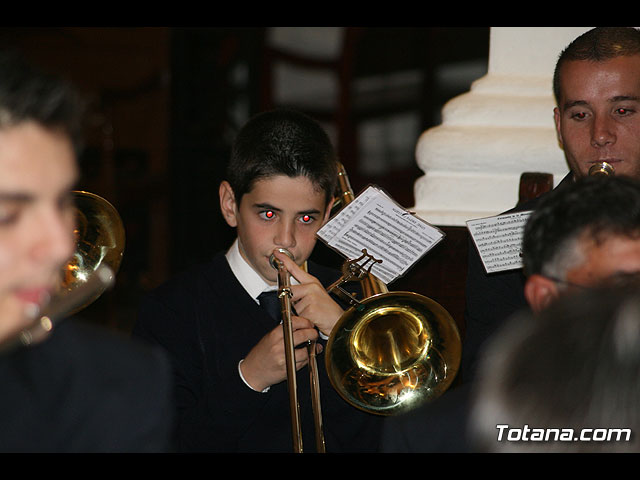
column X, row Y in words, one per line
column 251, row 281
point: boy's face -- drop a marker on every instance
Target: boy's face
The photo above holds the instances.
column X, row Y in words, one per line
column 279, row 212
column 37, row 172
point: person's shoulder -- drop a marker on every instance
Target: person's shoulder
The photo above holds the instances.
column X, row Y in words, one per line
column 190, row 280
column 109, row 392
column 98, row 347
column 83, row 355
column 126, row 383
column 532, row 203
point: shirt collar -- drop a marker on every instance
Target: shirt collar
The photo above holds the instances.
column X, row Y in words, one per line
column 253, row 283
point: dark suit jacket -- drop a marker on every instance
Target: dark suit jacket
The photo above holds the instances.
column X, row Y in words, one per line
column 208, row 323
column 85, row 390
column 437, row 427
column 491, row 298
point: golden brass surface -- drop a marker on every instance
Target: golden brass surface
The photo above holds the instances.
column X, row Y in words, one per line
column 100, row 240
column 392, row 351
column 286, row 309
column 601, row 168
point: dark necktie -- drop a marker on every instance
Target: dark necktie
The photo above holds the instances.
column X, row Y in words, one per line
column 271, row 303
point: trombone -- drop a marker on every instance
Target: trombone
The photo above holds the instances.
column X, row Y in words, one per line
column 388, row 353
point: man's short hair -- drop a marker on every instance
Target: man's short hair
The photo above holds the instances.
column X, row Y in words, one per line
column 28, row 94
column 595, row 206
column 597, row 45
column 282, row 142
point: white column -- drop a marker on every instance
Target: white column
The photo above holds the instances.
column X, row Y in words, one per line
column 492, row 134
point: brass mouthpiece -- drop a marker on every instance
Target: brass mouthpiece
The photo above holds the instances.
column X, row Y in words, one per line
column 601, row 168
column 273, row 260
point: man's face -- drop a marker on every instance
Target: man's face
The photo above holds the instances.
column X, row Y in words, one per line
column 598, row 118
column 279, row 212
column 606, row 260
column 37, row 171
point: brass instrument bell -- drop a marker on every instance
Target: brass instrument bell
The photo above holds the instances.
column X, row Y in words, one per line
column 391, row 351
column 100, row 240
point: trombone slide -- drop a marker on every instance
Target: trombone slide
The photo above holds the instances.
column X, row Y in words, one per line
column 284, row 295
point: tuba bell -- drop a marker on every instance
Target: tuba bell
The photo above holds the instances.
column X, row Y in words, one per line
column 392, row 351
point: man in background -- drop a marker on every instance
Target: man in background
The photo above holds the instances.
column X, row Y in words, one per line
column 579, row 237
column 596, row 86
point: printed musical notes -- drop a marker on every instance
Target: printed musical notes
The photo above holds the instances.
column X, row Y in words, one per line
column 499, row 240
column 387, row 231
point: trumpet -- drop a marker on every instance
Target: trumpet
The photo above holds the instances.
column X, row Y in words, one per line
column 388, row 353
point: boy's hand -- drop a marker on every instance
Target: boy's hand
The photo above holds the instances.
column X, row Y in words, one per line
column 310, row 298
column 265, row 365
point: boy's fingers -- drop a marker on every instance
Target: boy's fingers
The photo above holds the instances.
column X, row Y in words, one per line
column 296, row 272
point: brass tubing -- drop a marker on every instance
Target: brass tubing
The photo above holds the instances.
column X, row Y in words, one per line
column 284, row 295
column 314, row 382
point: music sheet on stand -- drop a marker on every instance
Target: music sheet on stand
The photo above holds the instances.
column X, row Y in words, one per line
column 499, row 240
column 387, row 231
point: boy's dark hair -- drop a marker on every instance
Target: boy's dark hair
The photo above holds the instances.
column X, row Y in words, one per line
column 29, row 94
column 594, row 206
column 282, row 142
column 597, row 45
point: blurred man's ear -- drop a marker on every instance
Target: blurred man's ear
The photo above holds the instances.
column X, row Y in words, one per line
column 540, row 291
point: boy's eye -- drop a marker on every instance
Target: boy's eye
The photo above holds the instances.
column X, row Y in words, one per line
column 268, row 214
column 306, row 218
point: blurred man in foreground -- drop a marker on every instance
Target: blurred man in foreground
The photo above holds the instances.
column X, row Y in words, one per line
column 80, row 389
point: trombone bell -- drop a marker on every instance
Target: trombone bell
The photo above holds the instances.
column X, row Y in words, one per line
column 392, row 353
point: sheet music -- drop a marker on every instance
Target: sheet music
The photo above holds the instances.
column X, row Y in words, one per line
column 386, row 230
column 499, row 240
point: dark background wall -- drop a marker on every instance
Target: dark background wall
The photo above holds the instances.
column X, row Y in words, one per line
column 164, row 106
